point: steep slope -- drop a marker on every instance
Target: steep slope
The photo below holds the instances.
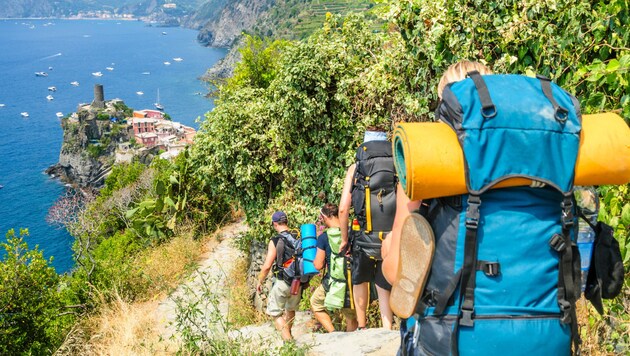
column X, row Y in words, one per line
column 235, row 17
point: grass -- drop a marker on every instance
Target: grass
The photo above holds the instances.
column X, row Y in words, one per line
column 121, row 327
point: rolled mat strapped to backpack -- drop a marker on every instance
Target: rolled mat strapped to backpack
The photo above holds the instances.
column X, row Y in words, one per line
column 430, row 164
column 309, row 241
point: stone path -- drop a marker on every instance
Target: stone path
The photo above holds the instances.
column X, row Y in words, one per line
column 212, row 272
column 214, row 269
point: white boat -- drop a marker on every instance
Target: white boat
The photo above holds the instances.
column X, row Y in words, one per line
column 140, row 93
column 109, row 68
column 178, row 59
column 75, row 83
column 49, row 97
column 41, row 74
column 50, row 68
column 146, row 73
column 163, row 32
column 157, row 102
column 1, row 105
column 97, row 74
column 24, row 114
column 167, row 63
column 59, row 114
column 52, row 88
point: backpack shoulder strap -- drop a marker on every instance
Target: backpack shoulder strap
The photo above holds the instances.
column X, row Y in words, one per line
column 280, row 250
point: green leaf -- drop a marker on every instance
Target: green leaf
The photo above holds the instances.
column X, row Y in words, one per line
column 130, row 213
column 625, row 215
column 169, row 202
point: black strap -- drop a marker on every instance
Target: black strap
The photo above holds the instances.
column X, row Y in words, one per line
column 559, row 112
column 567, row 292
column 444, row 297
column 488, row 109
column 467, row 291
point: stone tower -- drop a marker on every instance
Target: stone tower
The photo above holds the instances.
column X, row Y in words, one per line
column 99, row 96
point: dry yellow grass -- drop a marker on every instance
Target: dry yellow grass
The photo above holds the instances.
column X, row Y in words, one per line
column 241, row 309
column 127, row 329
column 123, row 328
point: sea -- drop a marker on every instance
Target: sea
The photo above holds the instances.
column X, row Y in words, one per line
column 134, row 62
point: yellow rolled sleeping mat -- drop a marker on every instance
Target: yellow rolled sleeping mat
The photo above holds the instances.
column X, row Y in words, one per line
column 430, row 163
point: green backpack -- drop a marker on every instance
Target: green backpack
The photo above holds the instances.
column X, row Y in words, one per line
column 336, row 295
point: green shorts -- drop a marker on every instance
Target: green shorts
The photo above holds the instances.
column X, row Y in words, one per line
column 280, row 299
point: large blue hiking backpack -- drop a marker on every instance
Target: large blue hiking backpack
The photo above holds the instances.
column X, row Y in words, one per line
column 505, row 274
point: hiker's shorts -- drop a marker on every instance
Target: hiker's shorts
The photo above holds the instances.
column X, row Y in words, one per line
column 280, row 299
column 317, row 304
column 366, row 269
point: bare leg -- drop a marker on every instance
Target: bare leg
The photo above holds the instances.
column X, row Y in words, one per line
column 386, row 312
column 325, row 320
column 289, row 317
column 283, row 327
column 361, row 295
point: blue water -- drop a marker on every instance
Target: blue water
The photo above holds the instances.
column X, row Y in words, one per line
column 74, row 50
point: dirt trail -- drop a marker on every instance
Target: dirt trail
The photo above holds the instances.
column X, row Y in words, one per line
column 214, row 268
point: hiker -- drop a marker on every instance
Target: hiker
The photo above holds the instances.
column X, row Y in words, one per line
column 281, row 304
column 328, row 244
column 369, row 187
column 503, row 272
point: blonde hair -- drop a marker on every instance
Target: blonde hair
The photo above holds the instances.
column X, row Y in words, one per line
column 458, row 71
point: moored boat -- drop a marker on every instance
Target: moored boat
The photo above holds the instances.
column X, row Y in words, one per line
column 75, row 83
column 50, row 97
column 41, row 74
column 52, row 88
column 24, row 114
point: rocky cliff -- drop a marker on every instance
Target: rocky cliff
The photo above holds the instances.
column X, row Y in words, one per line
column 90, row 138
column 234, row 18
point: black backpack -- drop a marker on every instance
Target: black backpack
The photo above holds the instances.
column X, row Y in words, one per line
column 374, row 195
column 289, row 259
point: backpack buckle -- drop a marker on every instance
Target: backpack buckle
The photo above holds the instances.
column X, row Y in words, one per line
column 472, row 212
column 467, row 317
column 490, row 269
column 567, row 213
column 558, row 243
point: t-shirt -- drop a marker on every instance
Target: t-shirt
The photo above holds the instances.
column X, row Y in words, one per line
column 322, row 244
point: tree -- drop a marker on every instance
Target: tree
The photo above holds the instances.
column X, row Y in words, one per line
column 29, row 301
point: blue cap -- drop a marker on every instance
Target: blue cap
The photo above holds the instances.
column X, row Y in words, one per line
column 279, row 217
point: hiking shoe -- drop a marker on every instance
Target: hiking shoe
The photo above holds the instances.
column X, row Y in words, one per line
column 417, row 245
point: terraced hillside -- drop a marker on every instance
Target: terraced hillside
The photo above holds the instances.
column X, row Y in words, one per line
column 296, row 19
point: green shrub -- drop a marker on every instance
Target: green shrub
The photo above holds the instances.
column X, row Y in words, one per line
column 29, row 302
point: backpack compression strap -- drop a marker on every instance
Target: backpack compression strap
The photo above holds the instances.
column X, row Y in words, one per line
column 567, row 288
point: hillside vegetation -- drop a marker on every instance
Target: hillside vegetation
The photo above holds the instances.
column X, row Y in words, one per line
column 286, row 125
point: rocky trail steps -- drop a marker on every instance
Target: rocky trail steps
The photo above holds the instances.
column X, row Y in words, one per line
column 218, row 264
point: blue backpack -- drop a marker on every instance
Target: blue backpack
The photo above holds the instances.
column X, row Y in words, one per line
column 506, row 270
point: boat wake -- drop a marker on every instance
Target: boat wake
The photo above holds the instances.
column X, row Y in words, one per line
column 53, row 56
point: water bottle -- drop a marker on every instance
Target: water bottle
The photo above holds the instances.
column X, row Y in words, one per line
column 588, row 201
column 295, row 286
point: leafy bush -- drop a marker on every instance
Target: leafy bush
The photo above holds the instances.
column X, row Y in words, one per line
column 29, row 302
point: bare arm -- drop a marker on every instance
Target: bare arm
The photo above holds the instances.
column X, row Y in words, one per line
column 266, row 267
column 344, row 206
column 320, row 259
column 390, row 250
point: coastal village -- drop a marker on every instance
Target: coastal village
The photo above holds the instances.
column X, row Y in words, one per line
column 103, row 133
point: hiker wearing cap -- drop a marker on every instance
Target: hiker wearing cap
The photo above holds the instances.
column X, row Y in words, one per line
column 328, row 244
column 281, row 304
